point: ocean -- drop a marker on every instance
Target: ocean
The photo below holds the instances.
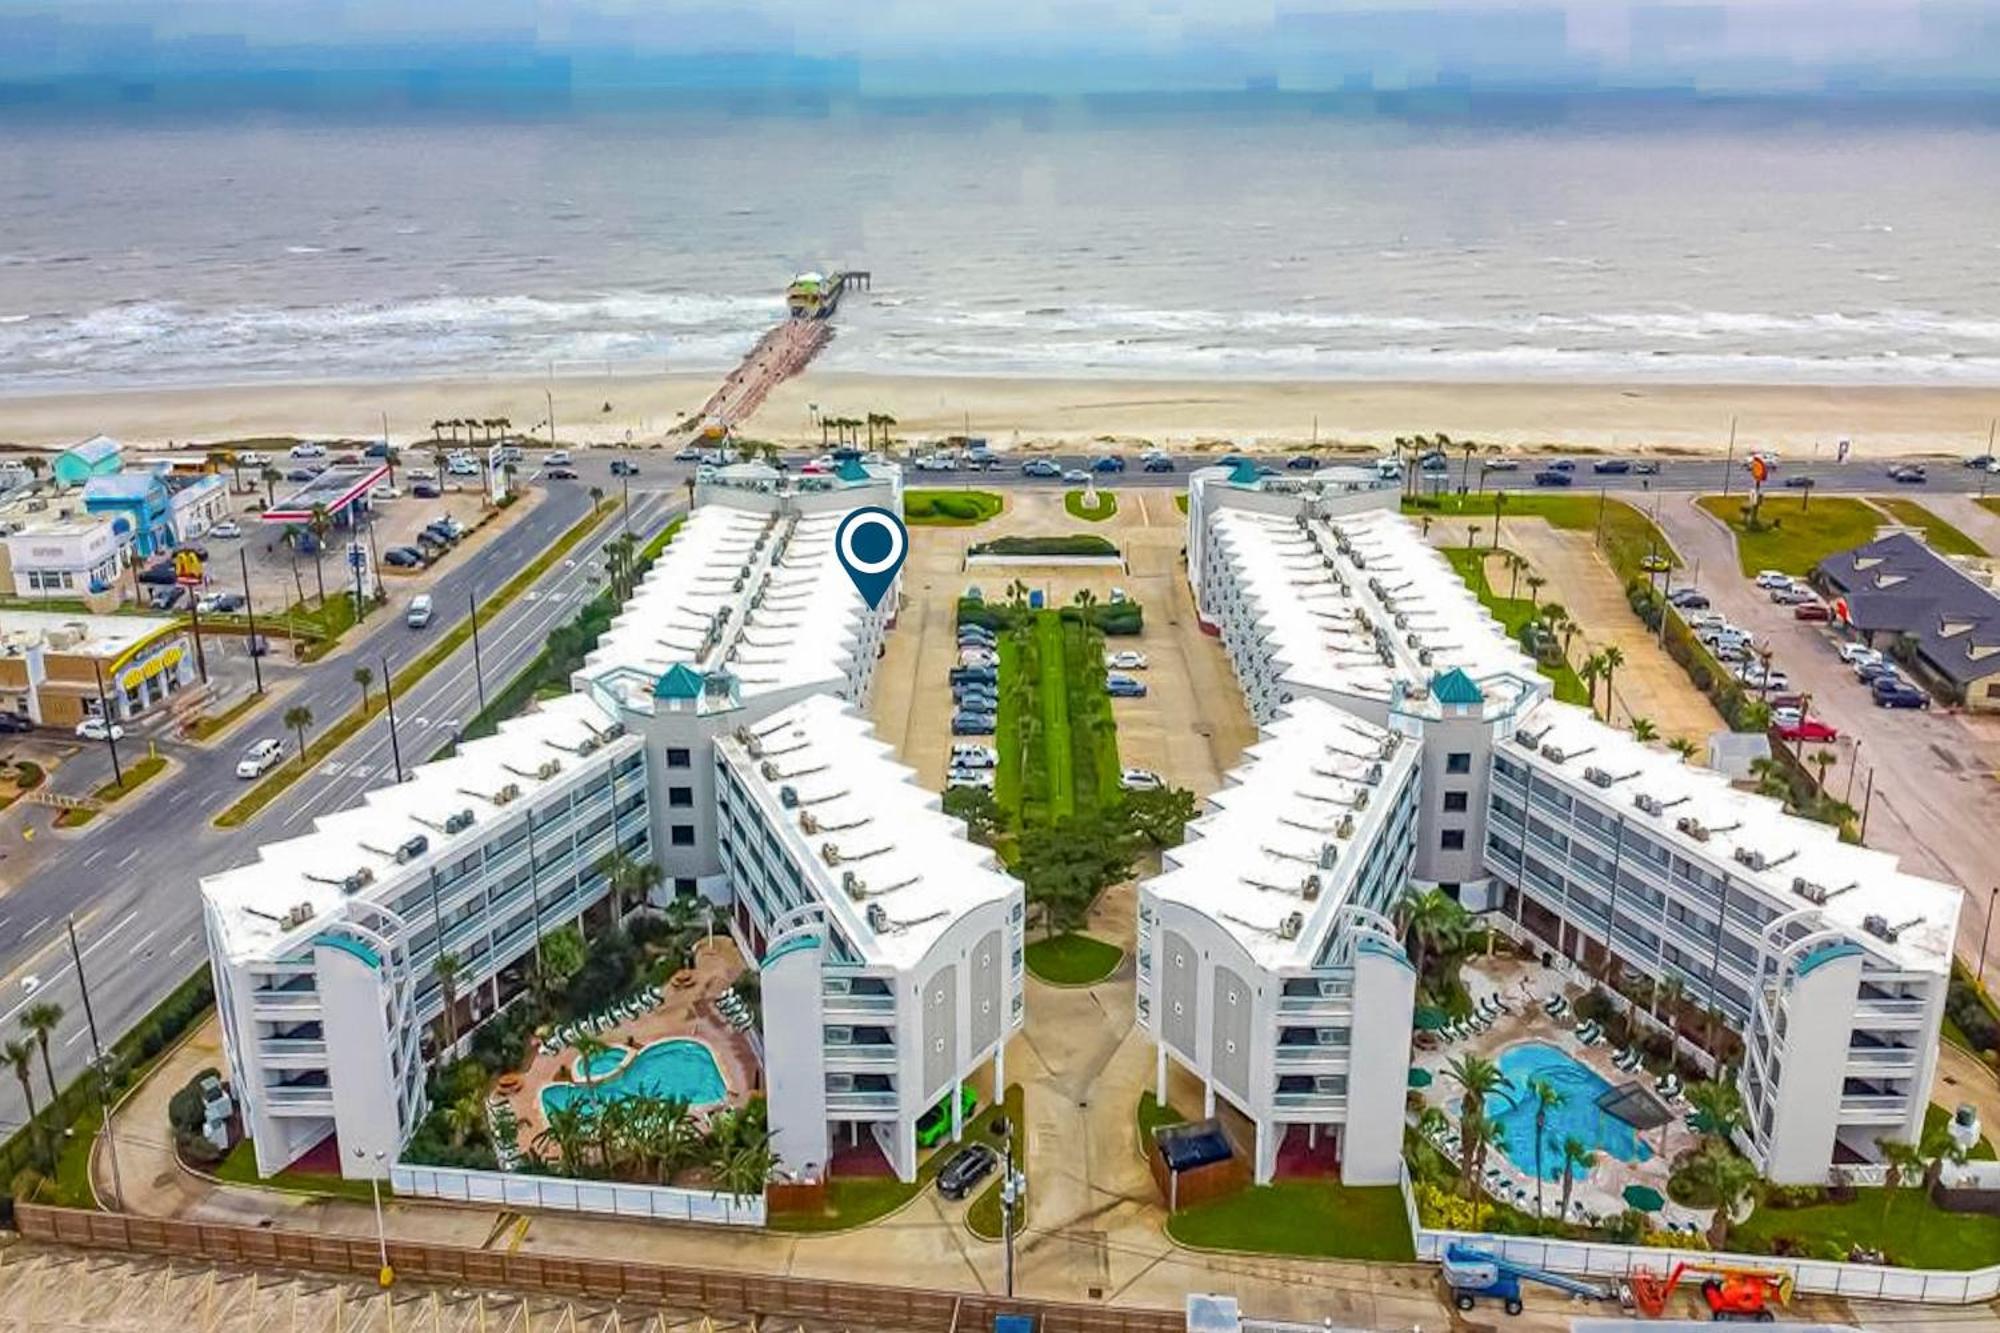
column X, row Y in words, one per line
column 1248, row 238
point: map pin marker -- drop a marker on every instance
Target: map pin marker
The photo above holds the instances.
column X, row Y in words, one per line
column 871, row 544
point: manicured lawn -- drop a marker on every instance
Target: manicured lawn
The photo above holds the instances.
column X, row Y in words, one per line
column 1072, row 959
column 1514, row 612
column 1052, row 700
column 949, row 508
column 240, row 1168
column 1911, row 1232
column 1795, row 532
column 984, row 1218
column 1153, row 1115
column 1990, row 503
column 1180, row 502
column 1315, row 1219
column 1057, row 740
column 137, row 775
column 1107, row 505
column 1943, row 537
column 1626, row 535
column 72, row 1181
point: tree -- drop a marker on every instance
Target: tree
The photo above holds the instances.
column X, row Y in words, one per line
column 1668, row 990
column 40, row 1021
column 1771, row 780
column 229, row 459
column 631, row 880
column 1935, row 1147
column 739, row 1149
column 1822, row 760
column 887, row 421
column 1686, row 748
column 1548, row 1098
column 1718, row 1109
column 298, row 717
column 1590, row 673
column 1065, row 865
column 1725, row 1177
column 596, row 498
column 449, row 968
column 1161, row 817
column 319, row 525
column 1478, row 1076
column 1472, row 531
column 36, row 465
column 270, row 476
column 1576, row 1157
column 1643, row 729
column 1535, row 585
column 364, row 678
column 1517, row 565
column 976, row 806
column 21, row 1055
column 464, row 1116
column 1614, row 657
column 1899, row 1159
column 1432, row 922
column 1499, row 503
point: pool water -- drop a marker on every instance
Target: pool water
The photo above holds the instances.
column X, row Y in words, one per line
column 1511, row 1109
column 677, row 1068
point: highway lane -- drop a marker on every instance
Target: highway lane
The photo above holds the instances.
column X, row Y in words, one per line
column 134, row 884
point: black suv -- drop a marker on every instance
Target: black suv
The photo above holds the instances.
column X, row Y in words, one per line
column 966, row 1168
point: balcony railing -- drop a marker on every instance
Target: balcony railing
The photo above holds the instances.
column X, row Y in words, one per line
column 1874, row 1106
column 1882, row 1057
column 292, row 1046
column 1314, row 1054
column 286, row 1001
column 1311, row 1101
column 868, row 1055
column 298, row 1101
column 858, row 1003
column 861, row 1101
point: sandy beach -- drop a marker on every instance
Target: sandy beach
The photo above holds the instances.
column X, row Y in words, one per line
column 1031, row 413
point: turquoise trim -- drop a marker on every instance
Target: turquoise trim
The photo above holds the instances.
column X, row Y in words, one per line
column 851, row 471
column 353, row 947
column 1244, row 474
column 795, row 944
column 1383, row 949
column 1824, row 955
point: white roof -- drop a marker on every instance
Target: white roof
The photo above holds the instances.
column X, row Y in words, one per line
column 1862, row 882
column 1246, row 861
column 792, row 611
column 96, row 636
column 904, row 855
column 532, row 753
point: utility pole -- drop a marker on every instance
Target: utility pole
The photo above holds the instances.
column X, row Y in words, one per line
column 1013, row 1185
column 1986, row 937
column 1729, row 463
column 548, row 396
column 389, row 696
column 97, row 1063
column 478, row 670
column 104, row 716
column 250, row 610
column 1867, row 802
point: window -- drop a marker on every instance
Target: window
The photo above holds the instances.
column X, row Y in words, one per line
column 1452, row 840
column 681, row 835
column 1460, row 762
column 1455, row 802
column 680, row 798
column 683, row 886
column 678, row 759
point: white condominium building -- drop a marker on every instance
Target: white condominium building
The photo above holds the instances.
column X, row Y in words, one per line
column 891, row 945
column 1267, row 962
column 1827, row 961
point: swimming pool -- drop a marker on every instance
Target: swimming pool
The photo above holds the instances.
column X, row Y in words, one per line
column 1511, row 1109
column 675, row 1068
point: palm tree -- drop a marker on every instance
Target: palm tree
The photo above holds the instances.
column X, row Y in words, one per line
column 1936, row 1147
column 21, row 1055
column 270, row 476
column 1517, row 564
column 1755, row 715
column 1535, row 585
column 739, row 1149
column 1724, row 1176
column 364, row 678
column 41, row 1021
column 1431, row 921
column 449, row 968
column 1643, row 729
column 1668, row 989
column 1576, row 1157
column 673, row 1137
column 1718, row 1108
column 463, row 1116
column 1614, row 657
column 1085, row 599
column 1822, row 760
column 1472, row 531
column 887, row 421
column 596, row 498
column 298, row 717
column 319, row 525
column 1591, row 672
column 565, row 1133
column 1899, row 1159
column 1478, row 1076
column 1548, row 1098
column 1770, row 777
column 1684, row 747
column 1499, row 503
column 630, row 879
column 36, row 465
column 235, row 466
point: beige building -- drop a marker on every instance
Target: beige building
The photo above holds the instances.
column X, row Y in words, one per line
column 51, row 665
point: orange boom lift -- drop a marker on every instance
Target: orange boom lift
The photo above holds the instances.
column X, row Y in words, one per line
column 1739, row 1295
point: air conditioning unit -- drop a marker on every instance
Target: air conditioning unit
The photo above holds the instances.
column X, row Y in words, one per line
column 1806, row 889
column 1309, row 889
column 807, row 824
column 1879, row 927
column 1554, row 753
column 1361, row 799
column 1329, row 854
column 788, row 796
column 358, row 881
column 548, row 769
column 458, row 821
column 1693, row 827
column 1649, row 803
column 1345, row 829
column 507, row 794
column 1289, row 928
column 878, row 918
column 1598, row 777
column 1751, row 857
column 829, row 853
column 1402, row 621
column 588, row 745
column 297, row 916
column 412, row 849
column 853, row 885
column 614, row 732
column 1373, row 777
column 1425, row 656
column 769, row 770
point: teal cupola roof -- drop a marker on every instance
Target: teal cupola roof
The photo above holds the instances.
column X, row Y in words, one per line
column 679, row 682
column 1455, row 689
column 851, row 470
column 1244, row 474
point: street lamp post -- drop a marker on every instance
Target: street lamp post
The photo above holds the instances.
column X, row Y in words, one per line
column 250, row 611
column 104, row 716
column 389, row 698
column 1986, row 937
column 1013, row 1188
column 98, row 1063
column 549, row 396
column 387, row 1275
column 478, row 670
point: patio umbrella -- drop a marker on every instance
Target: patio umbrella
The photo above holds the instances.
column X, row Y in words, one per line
column 1429, row 1018
column 1645, row 1198
column 1420, row 1078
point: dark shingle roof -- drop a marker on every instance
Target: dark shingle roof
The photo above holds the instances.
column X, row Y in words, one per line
column 1897, row 584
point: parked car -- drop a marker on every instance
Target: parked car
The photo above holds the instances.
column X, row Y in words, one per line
column 1159, row 463
column 419, row 614
column 1898, row 694
column 1856, row 653
column 1128, row 660
column 1549, row 476
column 227, row 530
column 1808, row 729
column 560, row 474
column 14, row 722
column 213, row 602
column 384, row 491
column 1754, row 675
column 969, row 777
column 1120, row 686
column 159, row 572
column 963, row 675
column 167, row 598
column 976, row 699
column 425, row 490
column 307, row 449
column 1796, row 595
column 687, row 453
column 1645, row 467
column 260, row 758
column 253, row 458
column 1616, row 467
column 974, row 756
column 419, row 474
column 978, row 657
column 1798, row 481
column 94, row 729
column 557, row 457
column 301, row 474
column 1690, row 600
column 402, row 557
column 972, row 724
column 1140, row 779
column 1302, row 462
column 1562, row 465
column 1812, row 611
column 1433, row 461
column 968, row 1166
column 1879, row 669
column 1107, row 463
column 622, row 467
column 1771, row 578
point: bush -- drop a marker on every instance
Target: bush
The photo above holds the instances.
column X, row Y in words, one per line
column 1075, row 544
column 500, row 1045
column 1628, row 1227
column 608, row 972
column 1793, row 1196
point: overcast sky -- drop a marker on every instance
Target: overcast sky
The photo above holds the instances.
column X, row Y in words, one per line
column 1731, row 45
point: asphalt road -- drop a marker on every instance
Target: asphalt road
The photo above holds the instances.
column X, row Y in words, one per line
column 132, row 880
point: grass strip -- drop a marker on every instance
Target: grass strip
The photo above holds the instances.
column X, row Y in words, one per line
column 949, row 508
column 1313, row 1219
column 1052, row 699
column 1944, row 538
column 1904, row 1224
column 205, row 726
column 1072, row 959
column 1106, row 506
column 1792, row 534
column 331, row 738
column 984, row 1218
column 136, row 776
column 1625, row 535
column 240, row 1168
column 1514, row 613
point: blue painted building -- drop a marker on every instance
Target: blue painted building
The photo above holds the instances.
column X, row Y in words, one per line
column 140, row 498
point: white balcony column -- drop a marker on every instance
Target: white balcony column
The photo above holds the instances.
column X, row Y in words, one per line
column 957, row 1110
column 1160, row 1072
column 1207, row 1099
column 1000, row 1071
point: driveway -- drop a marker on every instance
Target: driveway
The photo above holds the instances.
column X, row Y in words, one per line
column 1933, row 772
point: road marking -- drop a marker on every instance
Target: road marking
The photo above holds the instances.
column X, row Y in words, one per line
column 32, row 929
column 187, row 940
column 129, row 858
column 75, row 1037
column 93, row 858
column 143, row 939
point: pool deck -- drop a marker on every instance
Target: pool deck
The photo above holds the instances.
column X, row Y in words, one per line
column 684, row 1011
column 1523, row 986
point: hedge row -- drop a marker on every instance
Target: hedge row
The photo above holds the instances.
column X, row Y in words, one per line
column 1117, row 619
column 1075, row 544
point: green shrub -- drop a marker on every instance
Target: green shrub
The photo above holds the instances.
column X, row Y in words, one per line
column 1076, row 544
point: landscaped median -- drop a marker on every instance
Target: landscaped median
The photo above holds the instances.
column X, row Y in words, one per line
column 136, row 775
column 1076, row 503
column 331, row 738
column 949, row 508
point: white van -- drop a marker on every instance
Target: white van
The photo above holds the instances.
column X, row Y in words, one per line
column 419, row 614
